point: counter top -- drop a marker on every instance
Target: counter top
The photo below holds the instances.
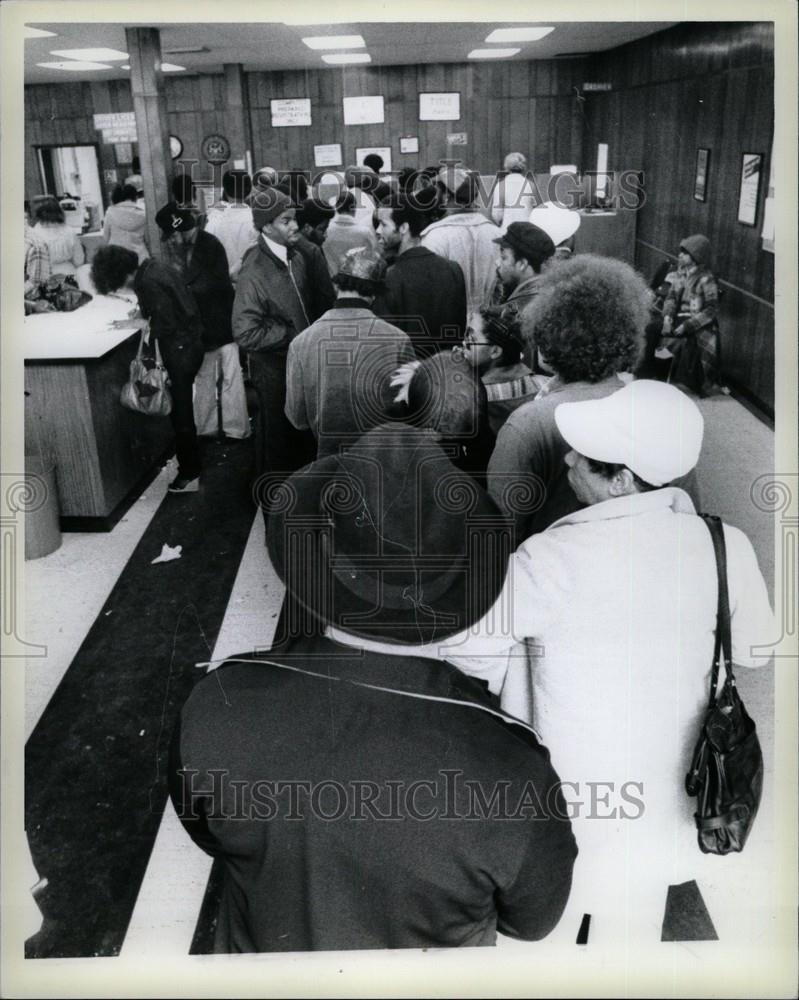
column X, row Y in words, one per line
column 84, row 333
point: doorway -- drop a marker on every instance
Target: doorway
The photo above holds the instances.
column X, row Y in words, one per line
column 74, row 171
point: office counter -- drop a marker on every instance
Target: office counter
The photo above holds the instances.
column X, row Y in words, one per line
column 75, row 367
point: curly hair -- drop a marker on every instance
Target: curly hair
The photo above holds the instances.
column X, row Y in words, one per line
column 111, row 266
column 588, row 320
column 49, row 212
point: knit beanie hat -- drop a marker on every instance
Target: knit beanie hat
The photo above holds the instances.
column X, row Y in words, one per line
column 698, row 247
column 267, row 205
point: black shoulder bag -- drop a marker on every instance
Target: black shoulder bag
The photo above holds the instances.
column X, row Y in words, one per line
column 726, row 774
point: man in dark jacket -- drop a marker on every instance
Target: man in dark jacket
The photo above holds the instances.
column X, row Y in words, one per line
column 425, row 294
column 201, row 259
column 270, row 308
column 312, row 222
column 358, row 799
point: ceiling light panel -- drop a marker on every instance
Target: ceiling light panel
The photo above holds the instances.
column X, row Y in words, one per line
column 341, row 58
column 493, row 53
column 518, row 34
column 335, row 42
column 172, row 68
column 74, row 65
column 91, row 55
column 38, row 33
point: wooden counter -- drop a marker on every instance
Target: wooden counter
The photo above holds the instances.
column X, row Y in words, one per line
column 75, row 367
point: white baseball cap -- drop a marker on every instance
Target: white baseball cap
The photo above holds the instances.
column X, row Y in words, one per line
column 651, row 427
column 557, row 222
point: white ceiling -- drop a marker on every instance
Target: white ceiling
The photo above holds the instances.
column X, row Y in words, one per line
column 276, row 46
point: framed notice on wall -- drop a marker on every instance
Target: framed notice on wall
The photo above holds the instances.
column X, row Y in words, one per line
column 363, row 111
column 328, row 156
column 440, row 107
column 289, row 112
column 409, row 143
column 700, row 181
column 751, row 169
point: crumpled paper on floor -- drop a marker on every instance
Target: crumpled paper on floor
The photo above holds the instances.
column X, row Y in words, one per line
column 168, row 553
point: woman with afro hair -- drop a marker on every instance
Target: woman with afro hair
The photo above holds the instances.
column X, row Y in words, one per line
column 588, row 321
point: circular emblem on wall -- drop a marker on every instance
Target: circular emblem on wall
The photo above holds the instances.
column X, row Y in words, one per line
column 175, row 146
column 215, row 149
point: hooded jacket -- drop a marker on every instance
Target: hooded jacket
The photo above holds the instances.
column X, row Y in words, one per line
column 693, row 298
column 468, row 239
column 125, row 225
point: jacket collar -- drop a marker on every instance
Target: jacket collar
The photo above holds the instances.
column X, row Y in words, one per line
column 264, row 247
column 668, row 498
column 524, row 288
column 352, row 303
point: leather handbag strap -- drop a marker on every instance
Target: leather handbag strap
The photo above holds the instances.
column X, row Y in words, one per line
column 723, row 644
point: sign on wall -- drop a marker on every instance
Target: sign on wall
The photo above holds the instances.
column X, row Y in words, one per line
column 291, row 111
column 117, row 127
column 409, row 144
column 363, row 111
column 328, row 156
column 751, row 166
column 440, row 107
column 457, row 139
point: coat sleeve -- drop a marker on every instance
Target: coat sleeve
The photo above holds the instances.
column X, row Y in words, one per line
column 295, row 408
column 753, row 627
column 324, row 292
column 169, row 321
column 460, row 296
column 706, row 296
column 256, row 327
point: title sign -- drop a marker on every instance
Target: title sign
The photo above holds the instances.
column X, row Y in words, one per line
column 291, row 111
column 439, row 107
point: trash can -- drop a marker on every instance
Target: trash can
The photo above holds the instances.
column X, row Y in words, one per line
column 42, row 531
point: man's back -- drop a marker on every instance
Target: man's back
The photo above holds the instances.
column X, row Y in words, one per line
column 234, row 229
column 380, row 852
column 468, row 239
column 425, row 295
column 338, row 374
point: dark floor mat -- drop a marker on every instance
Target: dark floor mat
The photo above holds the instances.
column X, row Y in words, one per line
column 95, row 765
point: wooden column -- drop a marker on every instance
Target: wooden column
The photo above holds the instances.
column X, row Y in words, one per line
column 237, row 111
column 149, row 104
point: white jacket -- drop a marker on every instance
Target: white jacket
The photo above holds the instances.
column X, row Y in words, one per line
column 468, row 239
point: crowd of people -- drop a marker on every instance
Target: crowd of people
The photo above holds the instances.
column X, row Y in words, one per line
column 475, row 450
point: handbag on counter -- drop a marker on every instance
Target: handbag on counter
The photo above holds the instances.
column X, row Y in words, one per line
column 146, row 390
column 62, row 292
column 726, row 773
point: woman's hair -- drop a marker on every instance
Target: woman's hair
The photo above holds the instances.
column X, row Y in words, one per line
column 49, row 212
column 589, row 317
column 111, row 267
column 609, row 469
column 503, row 330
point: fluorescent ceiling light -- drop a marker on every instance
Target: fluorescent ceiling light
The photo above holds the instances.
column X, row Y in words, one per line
column 335, row 42
column 75, row 65
column 492, row 53
column 38, row 32
column 91, row 55
column 518, row 34
column 125, row 66
column 172, row 68
column 185, row 50
column 340, row 58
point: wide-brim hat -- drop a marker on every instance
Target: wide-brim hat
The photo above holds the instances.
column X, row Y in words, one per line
column 389, row 540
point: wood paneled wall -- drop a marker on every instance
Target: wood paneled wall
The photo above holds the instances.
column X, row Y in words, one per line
column 530, row 107
column 698, row 85
column 525, row 106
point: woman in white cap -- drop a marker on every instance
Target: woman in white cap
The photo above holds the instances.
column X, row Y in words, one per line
column 560, row 224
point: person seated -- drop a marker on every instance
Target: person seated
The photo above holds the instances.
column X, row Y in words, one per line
column 317, row 856
column 125, row 224
column 690, row 320
column 618, row 682
column 338, row 370
column 493, row 347
column 63, row 244
column 345, row 233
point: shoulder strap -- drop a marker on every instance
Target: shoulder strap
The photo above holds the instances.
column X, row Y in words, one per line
column 723, row 644
column 504, row 716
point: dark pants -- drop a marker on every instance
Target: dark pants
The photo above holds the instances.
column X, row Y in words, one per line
column 280, row 448
column 182, row 364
